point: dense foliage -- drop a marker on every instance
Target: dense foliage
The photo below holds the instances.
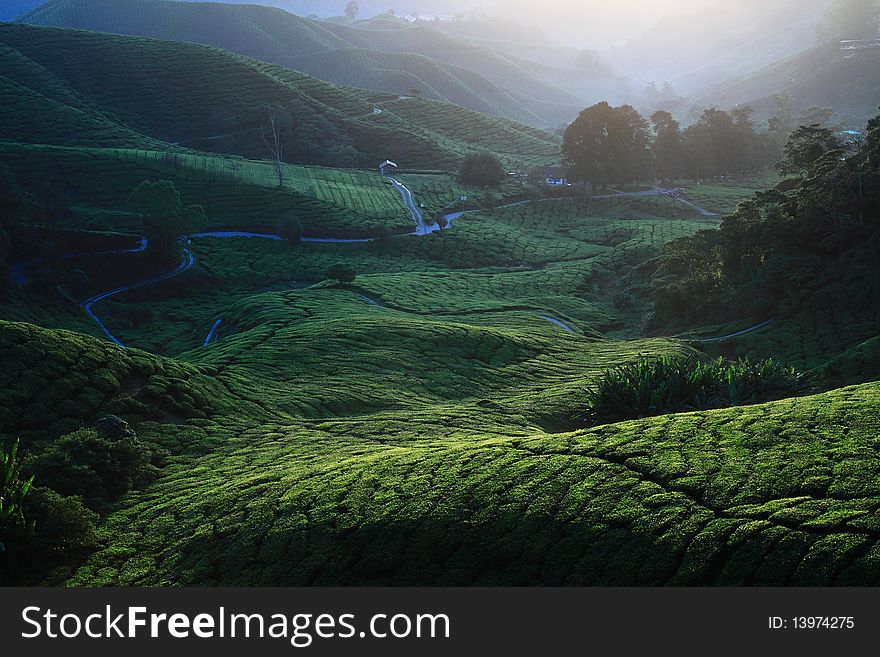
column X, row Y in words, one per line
column 481, row 169
column 341, row 274
column 618, row 145
column 13, row 489
column 165, row 217
column 806, row 232
column 674, row 385
column 94, row 467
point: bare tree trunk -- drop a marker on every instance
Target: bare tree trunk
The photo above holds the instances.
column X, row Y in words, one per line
column 273, row 142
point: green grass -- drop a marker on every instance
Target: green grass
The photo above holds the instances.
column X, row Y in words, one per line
column 723, row 197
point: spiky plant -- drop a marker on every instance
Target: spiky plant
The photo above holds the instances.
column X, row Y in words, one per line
column 13, row 490
column 657, row 386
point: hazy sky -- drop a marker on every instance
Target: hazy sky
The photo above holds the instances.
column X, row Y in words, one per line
column 598, row 22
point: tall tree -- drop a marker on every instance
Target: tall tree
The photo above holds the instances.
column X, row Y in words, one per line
column 805, row 148
column 270, row 131
column 608, row 144
column 165, row 217
column 481, row 169
column 666, row 150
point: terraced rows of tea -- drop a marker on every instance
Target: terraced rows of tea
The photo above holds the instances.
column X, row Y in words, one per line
column 235, row 192
column 417, row 427
column 145, row 92
column 426, row 484
column 403, row 409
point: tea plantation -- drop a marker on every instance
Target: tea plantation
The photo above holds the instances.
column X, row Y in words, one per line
column 398, row 391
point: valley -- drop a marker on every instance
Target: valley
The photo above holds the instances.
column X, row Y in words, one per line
column 320, row 374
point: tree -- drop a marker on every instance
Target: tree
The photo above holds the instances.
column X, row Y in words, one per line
column 666, row 150
column 270, row 131
column 853, row 19
column 489, row 201
column 342, row 274
column 165, row 218
column 352, row 9
column 805, row 148
column 481, row 169
column 608, row 145
column 96, row 467
column 290, row 228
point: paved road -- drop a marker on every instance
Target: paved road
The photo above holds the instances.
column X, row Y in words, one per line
column 723, row 338
column 422, row 228
column 212, row 334
column 187, row 261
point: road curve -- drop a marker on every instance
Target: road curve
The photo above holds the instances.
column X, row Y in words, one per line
column 187, row 261
column 723, row 338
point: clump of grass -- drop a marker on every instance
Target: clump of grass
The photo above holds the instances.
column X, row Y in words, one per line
column 659, row 386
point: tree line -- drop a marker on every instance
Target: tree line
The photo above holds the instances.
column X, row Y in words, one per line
column 616, row 145
column 817, row 226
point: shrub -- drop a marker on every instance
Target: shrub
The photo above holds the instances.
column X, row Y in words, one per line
column 61, row 535
column 93, row 466
column 342, row 274
column 481, row 169
column 290, row 229
column 665, row 385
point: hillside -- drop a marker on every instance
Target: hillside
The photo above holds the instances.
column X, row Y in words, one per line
column 227, row 370
column 403, row 56
column 769, row 495
column 823, row 75
column 135, row 86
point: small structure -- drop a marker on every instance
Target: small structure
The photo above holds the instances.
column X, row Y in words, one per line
column 556, row 177
column 386, row 163
column 860, row 44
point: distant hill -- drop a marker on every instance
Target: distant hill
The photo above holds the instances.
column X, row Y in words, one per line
column 823, row 75
column 137, row 91
column 385, row 53
column 709, row 41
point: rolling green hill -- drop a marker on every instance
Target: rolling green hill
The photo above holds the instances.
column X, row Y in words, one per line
column 146, row 86
column 134, row 113
column 418, row 419
column 275, row 479
column 392, row 57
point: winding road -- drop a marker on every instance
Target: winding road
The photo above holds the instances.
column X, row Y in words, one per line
column 187, row 261
column 422, row 228
column 730, row 336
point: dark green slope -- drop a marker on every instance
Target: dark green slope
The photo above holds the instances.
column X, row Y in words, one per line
column 775, row 494
column 442, row 66
column 104, row 90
